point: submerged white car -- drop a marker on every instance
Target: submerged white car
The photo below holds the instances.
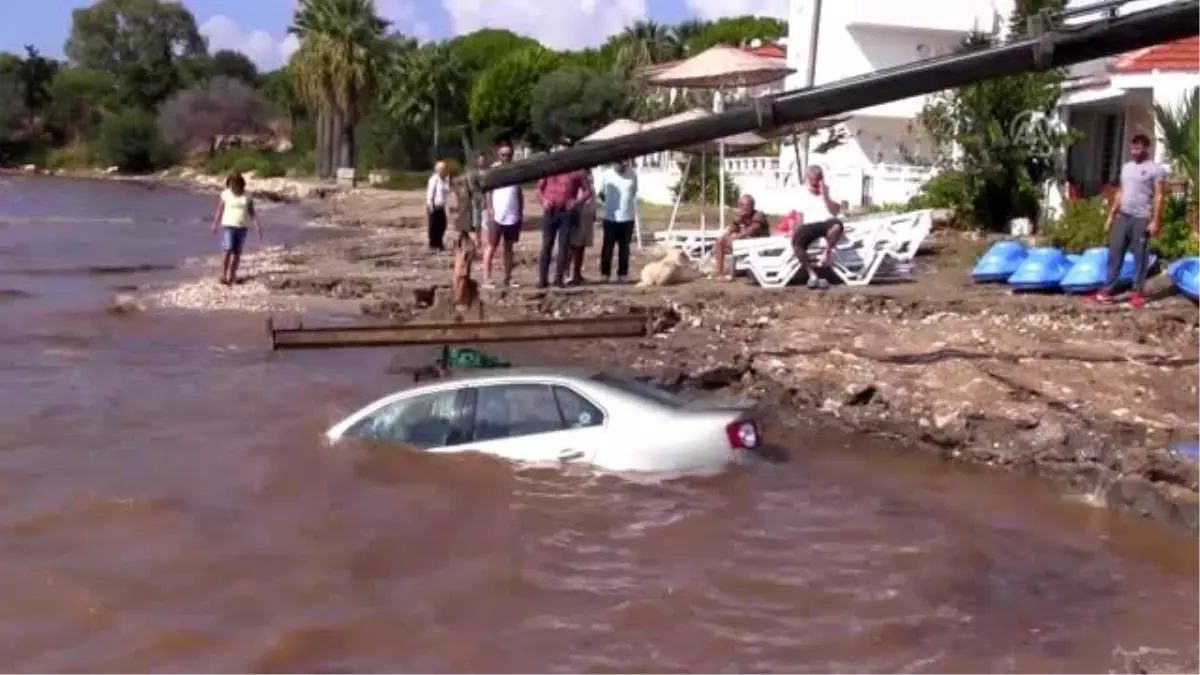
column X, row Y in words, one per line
column 560, row 416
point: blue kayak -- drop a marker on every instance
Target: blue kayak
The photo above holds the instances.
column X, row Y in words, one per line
column 999, row 263
column 1190, row 450
column 1089, row 272
column 1185, row 273
column 1042, row 269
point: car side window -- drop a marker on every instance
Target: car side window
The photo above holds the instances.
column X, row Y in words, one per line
column 577, row 411
column 512, row 410
column 429, row 421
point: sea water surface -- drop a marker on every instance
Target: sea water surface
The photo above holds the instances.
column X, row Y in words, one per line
column 166, row 504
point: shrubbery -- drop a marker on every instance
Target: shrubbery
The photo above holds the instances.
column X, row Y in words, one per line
column 1082, row 226
column 245, row 160
column 129, row 140
column 689, row 185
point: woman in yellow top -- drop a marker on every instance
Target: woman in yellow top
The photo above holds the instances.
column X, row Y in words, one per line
column 235, row 212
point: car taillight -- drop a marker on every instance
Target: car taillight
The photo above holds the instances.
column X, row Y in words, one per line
column 743, row 435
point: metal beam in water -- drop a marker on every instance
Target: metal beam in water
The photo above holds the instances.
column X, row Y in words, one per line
column 628, row 326
column 1062, row 46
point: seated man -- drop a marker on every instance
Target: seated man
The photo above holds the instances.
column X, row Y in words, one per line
column 819, row 213
column 750, row 223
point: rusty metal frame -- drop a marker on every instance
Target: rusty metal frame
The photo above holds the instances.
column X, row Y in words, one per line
column 477, row 332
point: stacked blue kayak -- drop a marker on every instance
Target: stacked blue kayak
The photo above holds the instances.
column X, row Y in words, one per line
column 1047, row 268
column 1090, row 270
column 999, row 263
column 1042, row 269
column 1185, row 274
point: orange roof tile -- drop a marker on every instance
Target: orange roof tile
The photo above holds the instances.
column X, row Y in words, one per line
column 1178, row 55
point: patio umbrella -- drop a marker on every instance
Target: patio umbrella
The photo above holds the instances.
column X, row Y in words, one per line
column 738, row 142
column 743, row 142
column 717, row 68
column 615, row 129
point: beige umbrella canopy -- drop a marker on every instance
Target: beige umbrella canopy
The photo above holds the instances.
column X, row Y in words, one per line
column 737, row 143
column 615, row 129
column 722, row 67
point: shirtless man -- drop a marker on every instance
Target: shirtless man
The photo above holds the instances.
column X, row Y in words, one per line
column 749, row 223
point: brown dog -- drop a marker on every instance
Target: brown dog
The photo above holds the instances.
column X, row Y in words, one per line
column 466, row 289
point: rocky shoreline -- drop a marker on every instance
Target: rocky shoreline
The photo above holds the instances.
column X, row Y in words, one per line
column 1091, row 398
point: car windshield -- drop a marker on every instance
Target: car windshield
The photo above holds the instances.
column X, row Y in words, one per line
column 642, row 390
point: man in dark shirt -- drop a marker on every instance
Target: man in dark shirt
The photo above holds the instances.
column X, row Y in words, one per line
column 750, row 223
column 560, row 196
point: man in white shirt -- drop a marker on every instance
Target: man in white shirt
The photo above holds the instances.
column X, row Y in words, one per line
column 436, row 193
column 505, row 213
column 618, row 192
column 819, row 220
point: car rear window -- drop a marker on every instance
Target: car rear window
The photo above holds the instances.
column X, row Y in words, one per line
column 642, row 390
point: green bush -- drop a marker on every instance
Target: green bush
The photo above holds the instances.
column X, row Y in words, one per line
column 129, row 140
column 1080, row 227
column 74, row 156
column 946, row 190
column 245, row 160
column 689, row 184
column 1176, row 239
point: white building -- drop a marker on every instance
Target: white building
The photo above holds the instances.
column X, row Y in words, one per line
column 885, row 158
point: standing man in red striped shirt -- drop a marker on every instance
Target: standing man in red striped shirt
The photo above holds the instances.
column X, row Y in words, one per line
column 560, row 196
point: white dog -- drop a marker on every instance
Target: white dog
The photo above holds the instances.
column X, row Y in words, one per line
column 671, row 268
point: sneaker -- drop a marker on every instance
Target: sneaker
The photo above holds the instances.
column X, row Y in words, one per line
column 489, row 284
column 1101, row 297
column 622, row 279
column 1137, row 300
column 605, row 279
column 813, row 283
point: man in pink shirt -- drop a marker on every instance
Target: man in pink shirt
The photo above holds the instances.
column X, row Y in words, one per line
column 560, row 196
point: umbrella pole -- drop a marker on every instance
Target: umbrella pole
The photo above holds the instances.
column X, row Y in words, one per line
column 721, row 186
column 799, row 167
column 703, row 194
column 687, row 166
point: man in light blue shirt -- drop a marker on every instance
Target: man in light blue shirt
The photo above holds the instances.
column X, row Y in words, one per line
column 617, row 191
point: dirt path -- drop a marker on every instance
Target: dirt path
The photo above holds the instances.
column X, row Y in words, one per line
column 1091, row 397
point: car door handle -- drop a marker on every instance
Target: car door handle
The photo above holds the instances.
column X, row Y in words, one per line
column 569, row 454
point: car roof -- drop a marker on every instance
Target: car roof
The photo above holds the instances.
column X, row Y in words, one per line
column 509, row 374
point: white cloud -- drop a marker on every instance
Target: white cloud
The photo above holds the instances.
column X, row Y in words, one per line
column 559, row 24
column 404, row 18
column 715, row 9
column 262, row 48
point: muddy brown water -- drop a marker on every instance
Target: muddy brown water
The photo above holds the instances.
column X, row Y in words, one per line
column 166, row 504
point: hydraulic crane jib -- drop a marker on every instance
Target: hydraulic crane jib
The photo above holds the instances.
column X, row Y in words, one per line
column 1058, row 45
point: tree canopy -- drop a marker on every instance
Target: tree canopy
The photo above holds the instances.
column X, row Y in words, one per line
column 353, row 94
column 141, row 42
column 570, row 103
column 500, row 99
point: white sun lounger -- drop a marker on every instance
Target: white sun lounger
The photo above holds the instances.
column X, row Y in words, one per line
column 854, row 230
column 695, row 244
column 866, row 247
column 888, row 254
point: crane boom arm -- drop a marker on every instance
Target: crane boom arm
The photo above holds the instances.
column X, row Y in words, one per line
column 1062, row 46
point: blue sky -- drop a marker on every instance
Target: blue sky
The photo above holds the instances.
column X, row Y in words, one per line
column 258, row 27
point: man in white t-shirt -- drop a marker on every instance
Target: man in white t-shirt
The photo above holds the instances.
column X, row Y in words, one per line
column 505, row 213
column 819, row 220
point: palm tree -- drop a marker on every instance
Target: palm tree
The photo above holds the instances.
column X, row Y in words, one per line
column 684, row 32
column 336, row 68
column 425, row 88
column 644, row 43
column 1180, row 130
